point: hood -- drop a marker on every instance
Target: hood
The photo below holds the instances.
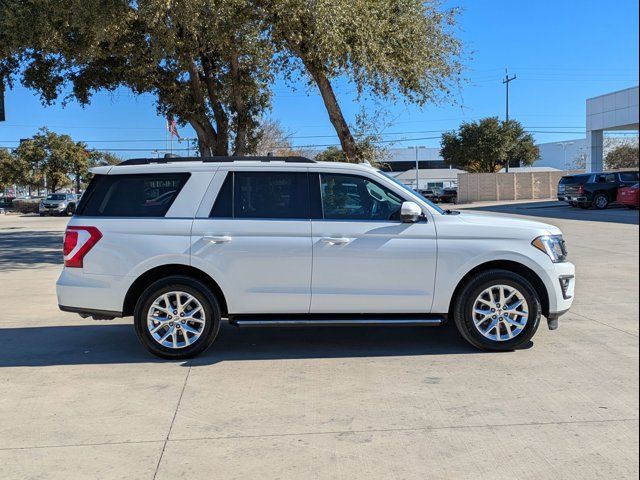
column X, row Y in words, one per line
column 497, row 222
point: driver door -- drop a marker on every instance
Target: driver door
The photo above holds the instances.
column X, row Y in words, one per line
column 365, row 260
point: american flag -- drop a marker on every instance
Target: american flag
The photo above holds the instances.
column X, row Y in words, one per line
column 172, row 127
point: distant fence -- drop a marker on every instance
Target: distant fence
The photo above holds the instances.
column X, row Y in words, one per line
column 486, row 187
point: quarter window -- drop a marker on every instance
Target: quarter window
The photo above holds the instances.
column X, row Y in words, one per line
column 351, row 197
column 134, row 195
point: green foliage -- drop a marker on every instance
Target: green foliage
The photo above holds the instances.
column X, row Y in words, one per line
column 212, row 63
column 50, row 158
column 487, row 145
column 389, row 49
column 331, row 154
column 621, row 157
column 12, row 169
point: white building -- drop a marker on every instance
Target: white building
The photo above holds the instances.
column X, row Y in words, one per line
column 430, row 178
column 613, row 111
column 403, row 159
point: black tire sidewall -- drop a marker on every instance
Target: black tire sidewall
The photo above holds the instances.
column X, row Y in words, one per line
column 595, row 201
column 464, row 305
column 188, row 285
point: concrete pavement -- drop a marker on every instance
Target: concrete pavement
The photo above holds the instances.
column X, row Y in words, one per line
column 81, row 399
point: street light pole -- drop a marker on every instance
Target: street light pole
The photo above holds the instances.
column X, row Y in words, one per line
column 506, row 82
column 417, row 171
column 564, row 146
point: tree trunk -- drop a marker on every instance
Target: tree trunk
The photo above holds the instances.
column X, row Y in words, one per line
column 219, row 114
column 240, row 106
column 207, row 144
column 347, row 141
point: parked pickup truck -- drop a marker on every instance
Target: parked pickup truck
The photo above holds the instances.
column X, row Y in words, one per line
column 594, row 189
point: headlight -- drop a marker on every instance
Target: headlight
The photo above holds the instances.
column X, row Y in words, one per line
column 552, row 245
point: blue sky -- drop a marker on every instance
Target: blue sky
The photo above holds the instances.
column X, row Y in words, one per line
column 561, row 52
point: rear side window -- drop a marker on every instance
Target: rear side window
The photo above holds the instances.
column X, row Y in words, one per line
column 135, row 195
column 573, row 180
column 266, row 195
column 629, row 177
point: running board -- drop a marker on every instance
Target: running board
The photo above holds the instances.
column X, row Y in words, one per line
column 361, row 320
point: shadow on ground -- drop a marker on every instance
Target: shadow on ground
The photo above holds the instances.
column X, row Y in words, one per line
column 20, row 249
column 104, row 343
column 614, row 214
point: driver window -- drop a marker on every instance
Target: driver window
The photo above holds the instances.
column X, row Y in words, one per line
column 350, row 197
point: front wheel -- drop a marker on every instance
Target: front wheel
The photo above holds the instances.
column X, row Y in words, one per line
column 497, row 310
column 177, row 318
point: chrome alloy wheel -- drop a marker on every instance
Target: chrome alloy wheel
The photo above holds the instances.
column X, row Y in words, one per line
column 176, row 319
column 500, row 313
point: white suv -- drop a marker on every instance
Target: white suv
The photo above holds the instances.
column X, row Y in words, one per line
column 182, row 243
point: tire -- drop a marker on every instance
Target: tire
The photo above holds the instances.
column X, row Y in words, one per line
column 465, row 303
column 573, row 204
column 601, row 201
column 206, row 321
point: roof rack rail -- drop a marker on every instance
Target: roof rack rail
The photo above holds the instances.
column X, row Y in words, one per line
column 147, row 161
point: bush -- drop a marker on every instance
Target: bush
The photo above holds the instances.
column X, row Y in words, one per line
column 26, row 206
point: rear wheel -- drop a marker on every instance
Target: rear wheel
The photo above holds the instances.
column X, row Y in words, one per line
column 601, row 201
column 497, row 310
column 177, row 318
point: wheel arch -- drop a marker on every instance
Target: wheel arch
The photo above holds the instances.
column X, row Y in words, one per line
column 511, row 266
column 156, row 273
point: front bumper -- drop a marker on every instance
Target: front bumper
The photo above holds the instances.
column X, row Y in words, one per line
column 52, row 209
column 561, row 283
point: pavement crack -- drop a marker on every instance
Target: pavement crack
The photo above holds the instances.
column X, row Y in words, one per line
column 605, row 324
column 408, row 429
column 175, row 414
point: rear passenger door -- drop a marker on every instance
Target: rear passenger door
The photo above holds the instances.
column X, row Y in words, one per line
column 255, row 240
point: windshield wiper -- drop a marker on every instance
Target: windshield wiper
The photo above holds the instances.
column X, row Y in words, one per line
column 451, row 212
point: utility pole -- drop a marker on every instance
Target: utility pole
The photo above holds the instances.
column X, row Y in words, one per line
column 417, row 172
column 506, row 82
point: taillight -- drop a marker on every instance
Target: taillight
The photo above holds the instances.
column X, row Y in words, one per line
column 77, row 243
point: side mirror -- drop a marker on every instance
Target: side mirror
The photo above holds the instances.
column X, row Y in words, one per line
column 410, row 212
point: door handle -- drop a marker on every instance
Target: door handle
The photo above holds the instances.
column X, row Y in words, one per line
column 217, row 238
column 335, row 240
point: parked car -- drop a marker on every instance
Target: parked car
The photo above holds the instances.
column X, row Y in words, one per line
column 431, row 194
column 449, row 195
column 58, row 204
column 284, row 242
column 594, row 189
column 628, row 196
column 6, row 202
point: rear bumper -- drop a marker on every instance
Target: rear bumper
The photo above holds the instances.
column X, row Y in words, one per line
column 86, row 293
column 573, row 198
column 95, row 314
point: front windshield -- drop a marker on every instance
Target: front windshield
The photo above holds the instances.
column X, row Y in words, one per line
column 56, row 196
column 411, row 190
